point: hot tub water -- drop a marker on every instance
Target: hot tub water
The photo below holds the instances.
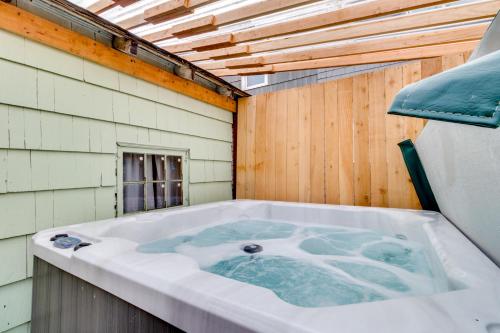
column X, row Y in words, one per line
column 311, row 266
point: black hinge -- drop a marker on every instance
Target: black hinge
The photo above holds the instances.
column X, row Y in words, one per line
column 116, row 204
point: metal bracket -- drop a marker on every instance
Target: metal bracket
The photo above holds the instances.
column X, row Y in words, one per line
column 125, row 45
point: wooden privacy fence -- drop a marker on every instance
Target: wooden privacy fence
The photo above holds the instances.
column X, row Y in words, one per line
column 332, row 142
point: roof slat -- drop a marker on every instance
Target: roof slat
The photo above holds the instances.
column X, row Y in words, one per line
column 265, row 7
column 175, row 8
column 357, row 59
column 364, row 10
column 436, row 17
column 212, row 22
column 433, row 37
column 103, row 5
column 172, row 9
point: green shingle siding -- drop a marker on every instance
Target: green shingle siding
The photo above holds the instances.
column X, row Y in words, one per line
column 18, row 214
column 61, row 118
column 13, row 255
column 23, row 328
column 15, row 299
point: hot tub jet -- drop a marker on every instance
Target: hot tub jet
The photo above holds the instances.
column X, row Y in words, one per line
column 252, row 248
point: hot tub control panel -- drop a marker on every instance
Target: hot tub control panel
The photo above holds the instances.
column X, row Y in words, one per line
column 64, row 241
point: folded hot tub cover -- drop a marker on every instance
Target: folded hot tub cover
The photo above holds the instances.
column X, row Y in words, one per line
column 468, row 94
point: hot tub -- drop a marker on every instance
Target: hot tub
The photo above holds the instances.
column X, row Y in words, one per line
column 242, row 266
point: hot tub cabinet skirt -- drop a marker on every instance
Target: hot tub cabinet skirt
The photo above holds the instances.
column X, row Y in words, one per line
column 65, row 303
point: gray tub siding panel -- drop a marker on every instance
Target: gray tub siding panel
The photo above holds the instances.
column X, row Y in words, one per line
column 65, row 303
column 61, row 119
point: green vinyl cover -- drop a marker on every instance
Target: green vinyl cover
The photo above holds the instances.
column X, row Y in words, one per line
column 468, row 94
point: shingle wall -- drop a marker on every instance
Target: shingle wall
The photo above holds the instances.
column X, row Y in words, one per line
column 60, row 120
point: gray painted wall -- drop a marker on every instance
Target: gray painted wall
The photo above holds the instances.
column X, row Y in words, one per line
column 288, row 80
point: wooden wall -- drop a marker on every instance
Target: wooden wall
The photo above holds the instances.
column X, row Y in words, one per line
column 332, row 142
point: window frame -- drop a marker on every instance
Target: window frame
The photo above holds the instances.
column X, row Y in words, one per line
column 150, row 150
column 245, row 86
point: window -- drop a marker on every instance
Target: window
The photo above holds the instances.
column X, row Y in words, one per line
column 254, row 81
column 150, row 180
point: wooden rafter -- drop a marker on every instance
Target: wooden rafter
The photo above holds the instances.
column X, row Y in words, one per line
column 103, row 5
column 269, row 69
column 364, row 10
column 212, row 22
column 25, row 24
column 433, row 37
column 449, row 15
column 132, row 22
column 167, row 10
column 357, row 59
column 225, row 53
column 173, row 9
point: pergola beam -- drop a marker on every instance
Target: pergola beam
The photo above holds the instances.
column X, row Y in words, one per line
column 443, row 16
column 415, row 39
column 212, row 22
column 132, row 22
column 172, row 9
column 225, row 53
column 163, row 11
column 217, row 42
column 357, row 59
column 103, row 5
column 364, row 10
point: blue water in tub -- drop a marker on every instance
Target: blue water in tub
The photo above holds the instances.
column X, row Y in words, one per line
column 311, row 266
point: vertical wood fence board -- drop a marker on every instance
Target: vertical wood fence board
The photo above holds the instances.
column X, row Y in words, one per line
column 270, row 154
column 304, row 144
column 260, row 147
column 280, row 140
column 241, row 144
column 292, row 145
column 346, row 172
column 412, row 126
column 452, row 60
column 250, row 151
column 376, row 129
column 317, row 144
column 332, row 191
column 394, row 135
column 431, row 66
column 361, row 148
column 332, row 142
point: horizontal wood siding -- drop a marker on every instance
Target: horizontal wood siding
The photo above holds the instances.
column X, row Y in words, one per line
column 61, row 118
column 332, row 142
